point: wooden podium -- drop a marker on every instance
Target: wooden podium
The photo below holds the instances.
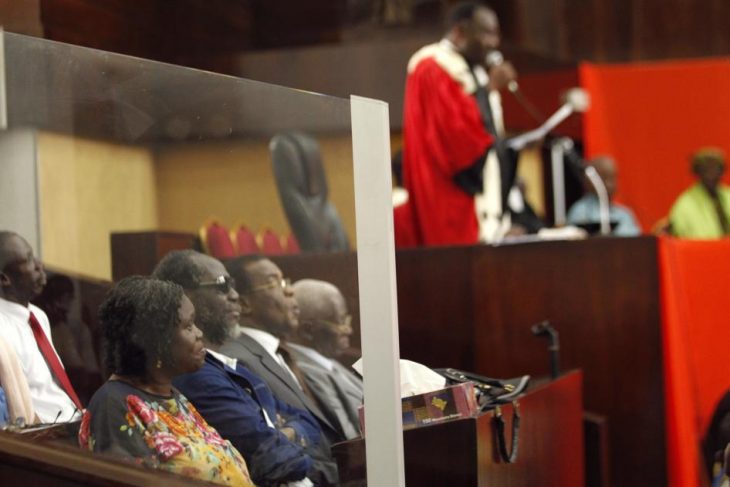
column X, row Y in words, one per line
column 464, row 452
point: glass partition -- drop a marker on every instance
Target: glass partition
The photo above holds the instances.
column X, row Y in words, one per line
column 100, row 144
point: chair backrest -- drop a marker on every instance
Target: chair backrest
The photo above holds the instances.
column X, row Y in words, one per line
column 303, row 191
column 271, row 243
column 292, row 246
column 244, row 241
column 216, row 240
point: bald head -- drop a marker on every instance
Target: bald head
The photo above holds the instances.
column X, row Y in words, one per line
column 323, row 319
column 21, row 275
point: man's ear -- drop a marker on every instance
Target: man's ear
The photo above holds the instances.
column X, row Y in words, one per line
column 246, row 305
column 4, row 279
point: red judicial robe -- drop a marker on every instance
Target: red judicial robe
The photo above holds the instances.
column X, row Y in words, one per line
column 443, row 135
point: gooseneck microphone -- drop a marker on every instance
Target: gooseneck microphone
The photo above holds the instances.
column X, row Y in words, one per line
column 543, row 329
column 495, row 58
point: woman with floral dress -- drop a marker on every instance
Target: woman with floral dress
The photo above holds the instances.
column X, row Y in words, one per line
column 151, row 337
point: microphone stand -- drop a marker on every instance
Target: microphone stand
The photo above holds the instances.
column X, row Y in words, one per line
column 543, row 329
column 526, row 104
column 557, row 161
column 603, row 203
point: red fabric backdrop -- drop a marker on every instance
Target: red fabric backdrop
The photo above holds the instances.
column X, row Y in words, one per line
column 696, row 336
column 651, row 117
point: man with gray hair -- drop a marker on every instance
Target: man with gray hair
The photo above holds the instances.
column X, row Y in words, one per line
column 281, row 444
column 323, row 335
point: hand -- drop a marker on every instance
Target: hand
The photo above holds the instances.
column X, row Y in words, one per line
column 501, row 75
column 289, row 432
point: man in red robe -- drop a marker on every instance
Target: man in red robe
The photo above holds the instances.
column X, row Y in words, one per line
column 446, row 132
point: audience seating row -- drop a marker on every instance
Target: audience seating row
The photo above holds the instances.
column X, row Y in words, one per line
column 222, row 243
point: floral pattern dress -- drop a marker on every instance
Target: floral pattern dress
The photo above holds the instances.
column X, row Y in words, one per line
column 161, row 432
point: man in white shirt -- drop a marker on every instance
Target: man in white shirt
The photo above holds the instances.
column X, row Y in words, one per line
column 323, row 335
column 26, row 329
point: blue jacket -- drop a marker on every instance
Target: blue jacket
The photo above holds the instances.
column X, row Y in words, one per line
column 232, row 401
column 4, row 416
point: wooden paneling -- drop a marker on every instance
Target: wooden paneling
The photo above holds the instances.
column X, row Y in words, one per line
column 463, row 452
column 193, row 32
column 153, row 29
column 281, row 24
column 472, row 307
column 601, row 295
column 139, row 253
column 21, row 16
column 617, row 30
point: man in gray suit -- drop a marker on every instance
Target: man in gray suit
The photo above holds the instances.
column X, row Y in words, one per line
column 268, row 319
column 323, row 335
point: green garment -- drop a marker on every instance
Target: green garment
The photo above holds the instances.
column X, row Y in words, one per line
column 694, row 216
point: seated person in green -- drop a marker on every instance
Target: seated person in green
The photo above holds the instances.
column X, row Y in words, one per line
column 587, row 210
column 703, row 211
column 151, row 337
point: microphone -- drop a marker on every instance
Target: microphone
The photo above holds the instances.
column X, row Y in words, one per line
column 574, row 100
column 495, row 58
column 578, row 99
column 543, row 329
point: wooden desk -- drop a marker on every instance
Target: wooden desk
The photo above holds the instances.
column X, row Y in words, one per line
column 54, row 463
column 463, row 452
column 472, row 307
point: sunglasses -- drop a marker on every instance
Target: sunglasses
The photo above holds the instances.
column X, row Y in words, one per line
column 222, row 284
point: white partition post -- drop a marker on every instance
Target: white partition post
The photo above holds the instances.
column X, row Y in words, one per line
column 378, row 303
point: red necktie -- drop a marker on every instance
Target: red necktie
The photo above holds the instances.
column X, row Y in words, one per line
column 52, row 359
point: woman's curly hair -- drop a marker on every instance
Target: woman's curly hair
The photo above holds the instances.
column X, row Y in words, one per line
column 138, row 319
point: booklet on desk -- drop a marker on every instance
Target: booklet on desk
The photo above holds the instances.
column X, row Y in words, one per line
column 455, row 402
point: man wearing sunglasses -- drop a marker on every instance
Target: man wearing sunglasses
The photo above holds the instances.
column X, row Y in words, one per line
column 282, row 445
column 323, row 335
column 268, row 320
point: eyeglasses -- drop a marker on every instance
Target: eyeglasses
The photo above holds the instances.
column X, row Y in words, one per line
column 222, row 284
column 283, row 284
column 346, row 323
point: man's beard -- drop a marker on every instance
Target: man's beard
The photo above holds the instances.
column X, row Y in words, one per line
column 213, row 324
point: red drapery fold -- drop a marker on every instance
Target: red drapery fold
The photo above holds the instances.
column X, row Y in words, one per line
column 695, row 334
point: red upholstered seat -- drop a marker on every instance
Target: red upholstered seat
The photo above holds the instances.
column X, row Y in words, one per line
column 292, row 246
column 244, row 241
column 270, row 242
column 216, row 240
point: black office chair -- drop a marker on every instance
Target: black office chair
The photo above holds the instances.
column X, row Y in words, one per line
column 303, row 191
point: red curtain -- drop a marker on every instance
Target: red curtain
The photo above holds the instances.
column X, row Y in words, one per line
column 696, row 335
column 651, row 117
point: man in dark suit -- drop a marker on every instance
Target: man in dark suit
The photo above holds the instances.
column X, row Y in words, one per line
column 281, row 444
column 323, row 335
column 267, row 321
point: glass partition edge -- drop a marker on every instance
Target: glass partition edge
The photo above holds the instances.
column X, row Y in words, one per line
column 378, row 301
column 3, row 97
